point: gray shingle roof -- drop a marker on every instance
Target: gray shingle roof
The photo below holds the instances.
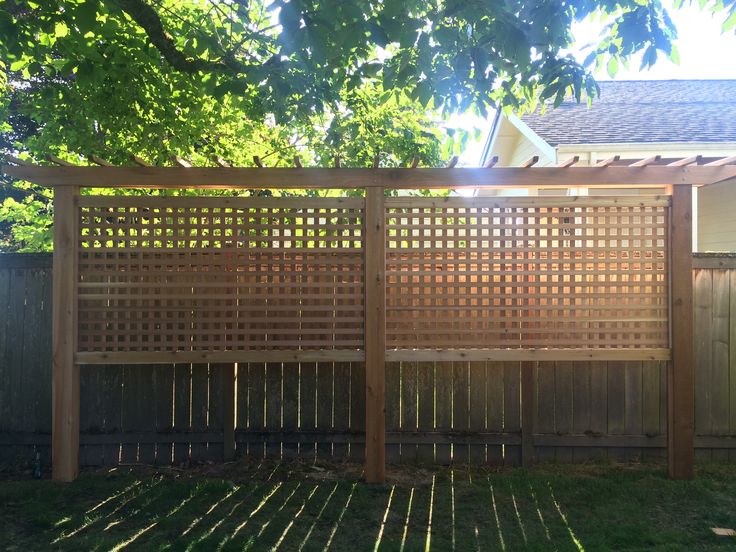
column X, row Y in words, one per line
column 644, row 111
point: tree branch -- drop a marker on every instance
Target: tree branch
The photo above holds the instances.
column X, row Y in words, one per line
column 150, row 22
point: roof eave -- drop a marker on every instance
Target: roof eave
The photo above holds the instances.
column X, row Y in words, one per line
column 635, row 146
column 547, row 149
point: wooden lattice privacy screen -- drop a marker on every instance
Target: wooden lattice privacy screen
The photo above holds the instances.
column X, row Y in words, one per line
column 527, row 273
column 373, row 279
column 219, row 274
column 208, row 274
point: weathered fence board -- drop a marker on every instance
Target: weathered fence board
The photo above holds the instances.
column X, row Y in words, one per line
column 436, row 411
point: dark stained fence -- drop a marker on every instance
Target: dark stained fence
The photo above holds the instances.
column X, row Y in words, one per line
column 436, row 412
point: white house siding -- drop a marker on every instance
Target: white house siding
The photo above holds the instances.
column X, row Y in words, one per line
column 525, row 151
column 717, row 217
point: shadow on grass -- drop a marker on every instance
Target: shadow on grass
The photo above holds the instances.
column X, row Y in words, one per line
column 447, row 510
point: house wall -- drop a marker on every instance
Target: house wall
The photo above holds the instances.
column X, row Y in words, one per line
column 514, row 148
column 716, row 219
column 526, row 150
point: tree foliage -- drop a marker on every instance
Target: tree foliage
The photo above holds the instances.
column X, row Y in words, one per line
column 292, row 59
column 237, row 78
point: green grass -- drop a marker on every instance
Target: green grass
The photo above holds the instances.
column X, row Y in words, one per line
column 299, row 507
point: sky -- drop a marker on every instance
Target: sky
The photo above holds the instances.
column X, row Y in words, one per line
column 705, row 53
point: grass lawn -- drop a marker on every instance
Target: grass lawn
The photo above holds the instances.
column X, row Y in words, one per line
column 299, row 507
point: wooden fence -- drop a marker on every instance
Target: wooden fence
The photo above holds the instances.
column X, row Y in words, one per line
column 459, row 411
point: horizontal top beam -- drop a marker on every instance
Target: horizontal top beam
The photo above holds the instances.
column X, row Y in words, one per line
column 312, row 178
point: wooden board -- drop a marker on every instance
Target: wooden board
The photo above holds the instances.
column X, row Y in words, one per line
column 65, row 376
column 374, row 342
column 419, row 178
column 680, row 380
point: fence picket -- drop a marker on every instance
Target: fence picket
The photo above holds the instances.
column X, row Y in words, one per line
column 581, row 417
column 408, row 412
column 512, row 410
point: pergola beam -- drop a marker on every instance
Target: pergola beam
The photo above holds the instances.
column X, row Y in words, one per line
column 139, row 161
column 693, row 160
column 607, row 162
column 569, row 162
column 16, row 161
column 59, row 161
column 400, row 178
column 722, row 162
column 647, row 161
column 492, row 162
column 181, row 161
column 530, row 162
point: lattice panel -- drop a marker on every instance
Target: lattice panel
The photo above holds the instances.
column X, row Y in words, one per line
column 533, row 272
column 220, row 273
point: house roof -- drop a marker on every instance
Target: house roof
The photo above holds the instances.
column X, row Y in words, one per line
column 701, row 111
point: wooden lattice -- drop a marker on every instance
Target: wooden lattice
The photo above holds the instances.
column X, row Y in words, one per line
column 219, row 273
column 229, row 274
column 527, row 272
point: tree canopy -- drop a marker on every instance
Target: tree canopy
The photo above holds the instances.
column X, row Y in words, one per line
column 274, row 78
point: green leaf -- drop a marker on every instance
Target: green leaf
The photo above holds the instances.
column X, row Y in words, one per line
column 612, row 67
column 60, row 29
column 649, row 58
column 424, row 93
column 675, row 55
column 85, row 16
column 378, row 35
column 729, row 23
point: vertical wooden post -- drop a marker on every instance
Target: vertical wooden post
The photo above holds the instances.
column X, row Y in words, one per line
column 65, row 373
column 528, row 375
column 680, row 379
column 228, row 410
column 528, row 412
column 375, row 335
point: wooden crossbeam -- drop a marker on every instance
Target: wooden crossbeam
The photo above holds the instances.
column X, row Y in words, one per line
column 139, row 161
column 221, row 162
column 492, row 162
column 99, row 161
column 376, row 160
column 402, row 178
column 569, row 162
column 60, row 161
column 693, row 160
column 607, row 162
column 646, row 161
column 297, row 162
column 17, row 161
column 453, row 162
column 181, row 161
column 337, row 162
column 415, row 162
column 530, row 162
column 722, row 162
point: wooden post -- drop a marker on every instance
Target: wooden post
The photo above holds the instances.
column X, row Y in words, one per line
column 375, row 336
column 528, row 375
column 528, row 412
column 680, row 380
column 229, row 372
column 65, row 373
